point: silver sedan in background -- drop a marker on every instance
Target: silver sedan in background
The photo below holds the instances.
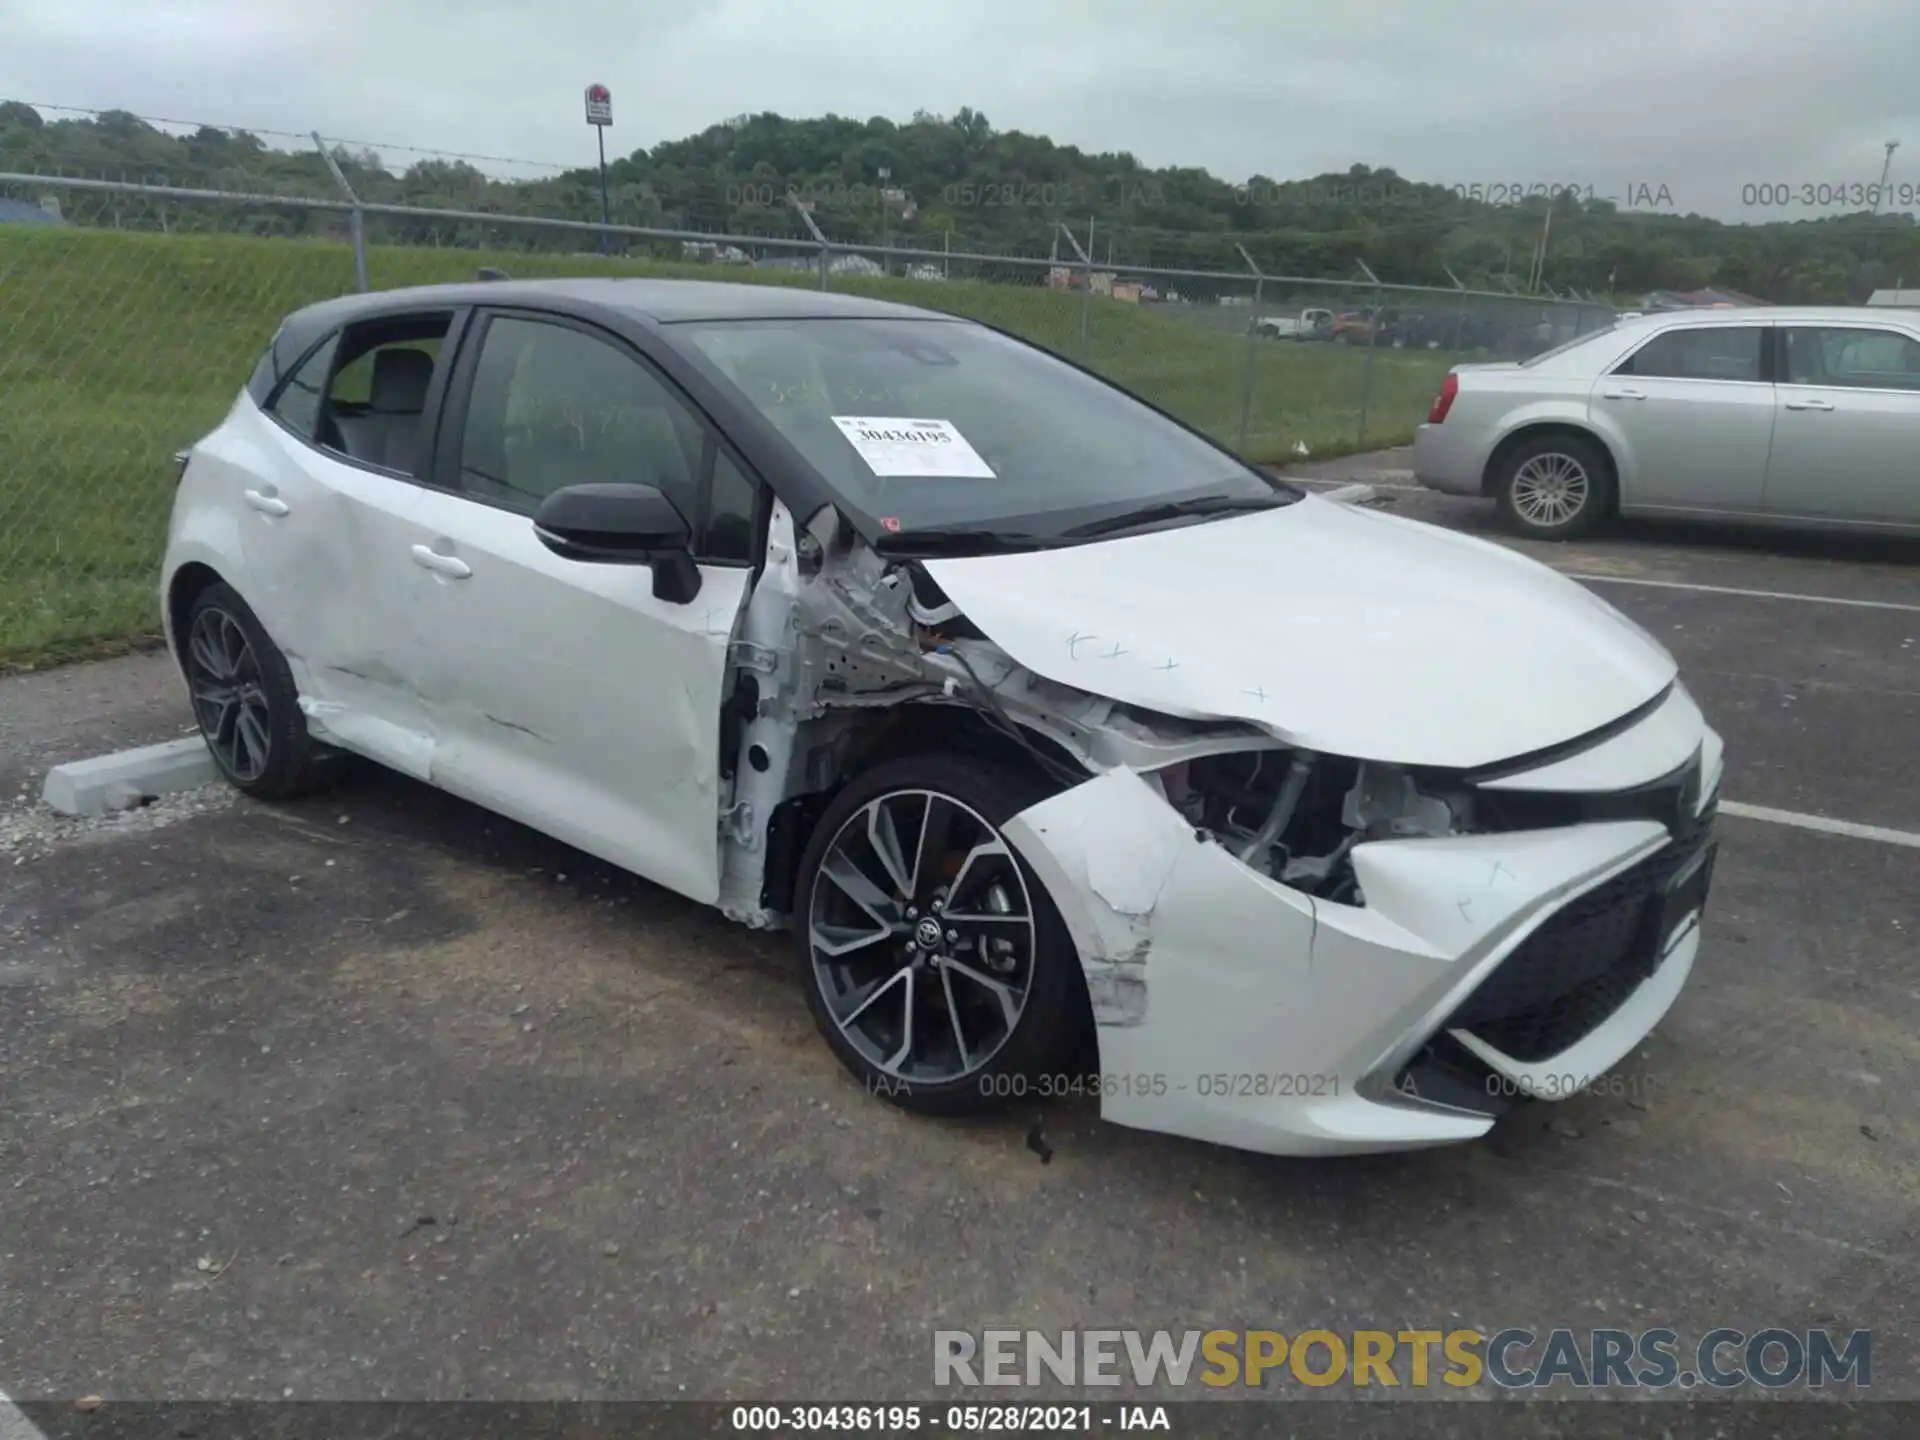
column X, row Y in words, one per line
column 1794, row 416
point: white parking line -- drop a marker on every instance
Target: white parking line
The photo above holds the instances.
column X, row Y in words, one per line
column 1587, row 579
column 14, row 1425
column 1820, row 822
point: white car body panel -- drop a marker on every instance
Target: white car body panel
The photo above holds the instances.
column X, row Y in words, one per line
column 1338, row 629
column 1202, row 969
column 310, row 525
column 566, row 696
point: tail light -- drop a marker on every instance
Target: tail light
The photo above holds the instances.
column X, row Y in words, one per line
column 1443, row 402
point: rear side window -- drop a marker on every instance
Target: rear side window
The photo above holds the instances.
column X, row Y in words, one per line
column 297, row 406
column 1709, row 352
column 375, row 410
column 1854, row 358
column 1565, row 345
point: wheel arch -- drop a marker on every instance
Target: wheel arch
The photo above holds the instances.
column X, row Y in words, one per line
column 922, row 729
column 892, row 735
column 184, row 586
column 1544, row 429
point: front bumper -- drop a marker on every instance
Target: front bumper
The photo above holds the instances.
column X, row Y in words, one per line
column 1234, row 1009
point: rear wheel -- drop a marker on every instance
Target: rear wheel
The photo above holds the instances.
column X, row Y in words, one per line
column 245, row 701
column 1555, row 487
column 936, row 966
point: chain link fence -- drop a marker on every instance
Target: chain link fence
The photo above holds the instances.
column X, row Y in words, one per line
column 132, row 313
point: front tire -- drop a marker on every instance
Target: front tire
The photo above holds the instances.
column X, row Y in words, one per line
column 936, row 967
column 245, row 701
column 1556, row 487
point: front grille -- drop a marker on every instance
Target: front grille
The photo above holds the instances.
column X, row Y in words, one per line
column 1583, row 962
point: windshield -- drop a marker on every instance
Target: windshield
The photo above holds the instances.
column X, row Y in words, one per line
column 932, row 426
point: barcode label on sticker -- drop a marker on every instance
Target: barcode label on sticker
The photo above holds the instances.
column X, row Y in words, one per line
column 892, row 445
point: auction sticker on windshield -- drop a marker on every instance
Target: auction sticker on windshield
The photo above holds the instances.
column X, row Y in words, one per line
column 893, row 446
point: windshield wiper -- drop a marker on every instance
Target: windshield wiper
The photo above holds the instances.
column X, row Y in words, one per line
column 1178, row 510
column 959, row 540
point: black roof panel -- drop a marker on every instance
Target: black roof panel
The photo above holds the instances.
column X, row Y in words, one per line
column 662, row 301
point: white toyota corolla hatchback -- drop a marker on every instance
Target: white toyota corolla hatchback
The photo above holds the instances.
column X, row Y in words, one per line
column 1077, row 755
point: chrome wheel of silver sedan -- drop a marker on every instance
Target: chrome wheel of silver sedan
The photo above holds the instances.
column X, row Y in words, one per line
column 1550, row 489
column 922, row 935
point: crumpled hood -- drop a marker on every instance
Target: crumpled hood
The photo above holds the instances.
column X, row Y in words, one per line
column 1338, row 629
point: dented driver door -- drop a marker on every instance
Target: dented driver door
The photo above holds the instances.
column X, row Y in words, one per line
column 560, row 692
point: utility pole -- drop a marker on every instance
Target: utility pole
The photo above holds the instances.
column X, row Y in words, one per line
column 886, row 223
column 1540, row 265
column 1885, row 166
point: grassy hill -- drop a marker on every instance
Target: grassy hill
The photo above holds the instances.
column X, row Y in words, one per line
column 116, row 349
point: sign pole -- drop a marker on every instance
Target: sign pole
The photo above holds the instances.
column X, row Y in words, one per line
column 606, row 218
column 600, row 116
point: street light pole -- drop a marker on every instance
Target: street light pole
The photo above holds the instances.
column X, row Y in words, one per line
column 886, row 223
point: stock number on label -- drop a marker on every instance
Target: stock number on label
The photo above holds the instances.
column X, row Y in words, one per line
column 1048, row 1086
column 878, row 1418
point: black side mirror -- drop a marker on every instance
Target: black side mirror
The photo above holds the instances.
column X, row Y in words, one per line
column 622, row 525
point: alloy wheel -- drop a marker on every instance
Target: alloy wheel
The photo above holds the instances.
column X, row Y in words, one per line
column 1550, row 489
column 922, row 936
column 229, row 701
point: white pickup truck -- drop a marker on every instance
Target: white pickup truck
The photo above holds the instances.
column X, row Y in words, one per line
column 1312, row 324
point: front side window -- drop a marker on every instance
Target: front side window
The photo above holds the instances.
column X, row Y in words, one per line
column 1852, row 357
column 931, row 425
column 730, row 511
column 297, row 406
column 1707, row 352
column 553, row 406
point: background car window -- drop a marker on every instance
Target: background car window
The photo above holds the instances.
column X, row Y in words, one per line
column 298, row 403
column 1852, row 358
column 1730, row 352
column 553, row 406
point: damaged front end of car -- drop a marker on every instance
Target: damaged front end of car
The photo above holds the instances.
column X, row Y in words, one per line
column 1285, row 948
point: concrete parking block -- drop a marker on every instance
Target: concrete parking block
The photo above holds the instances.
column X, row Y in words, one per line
column 127, row 778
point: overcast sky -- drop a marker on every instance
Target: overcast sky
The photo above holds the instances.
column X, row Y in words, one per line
column 1704, row 97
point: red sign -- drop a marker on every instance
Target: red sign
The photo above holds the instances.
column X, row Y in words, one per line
column 599, row 105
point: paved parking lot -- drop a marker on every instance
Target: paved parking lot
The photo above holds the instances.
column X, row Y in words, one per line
column 377, row 1096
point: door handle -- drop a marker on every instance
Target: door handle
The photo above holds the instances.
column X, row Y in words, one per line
column 1809, row 404
column 451, row 566
column 1621, row 392
column 264, row 503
